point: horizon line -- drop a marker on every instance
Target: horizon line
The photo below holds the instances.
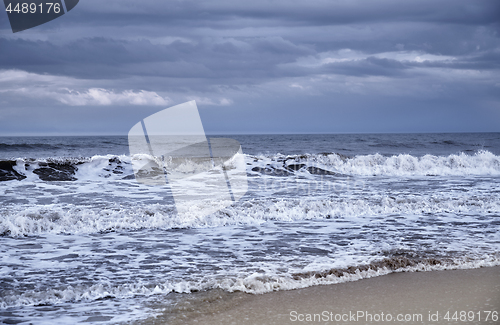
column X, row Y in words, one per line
column 229, row 133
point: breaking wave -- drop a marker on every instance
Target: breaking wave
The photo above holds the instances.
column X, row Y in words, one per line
column 35, row 220
column 330, row 164
column 254, row 284
column 481, row 163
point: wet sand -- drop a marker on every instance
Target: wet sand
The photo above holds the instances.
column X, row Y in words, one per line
column 418, row 297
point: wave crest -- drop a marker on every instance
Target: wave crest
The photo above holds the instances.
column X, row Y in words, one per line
column 481, row 163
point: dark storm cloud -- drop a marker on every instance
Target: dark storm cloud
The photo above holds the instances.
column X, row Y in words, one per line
column 109, row 58
column 213, row 27
column 310, row 13
column 283, row 53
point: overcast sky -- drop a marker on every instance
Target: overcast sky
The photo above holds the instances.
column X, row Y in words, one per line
column 280, row 66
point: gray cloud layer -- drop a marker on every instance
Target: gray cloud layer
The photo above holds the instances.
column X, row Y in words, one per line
column 258, row 66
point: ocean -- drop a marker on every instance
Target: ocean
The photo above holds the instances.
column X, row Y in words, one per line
column 82, row 241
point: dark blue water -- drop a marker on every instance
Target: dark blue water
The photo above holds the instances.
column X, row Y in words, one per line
column 294, row 144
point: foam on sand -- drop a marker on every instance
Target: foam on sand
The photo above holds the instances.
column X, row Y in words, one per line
column 417, row 297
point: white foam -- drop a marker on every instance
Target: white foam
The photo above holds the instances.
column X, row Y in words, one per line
column 256, row 283
column 482, row 163
column 259, row 284
column 18, row 220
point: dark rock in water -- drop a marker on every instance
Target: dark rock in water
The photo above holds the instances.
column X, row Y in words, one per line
column 129, row 177
column 319, row 171
column 115, row 169
column 7, row 172
column 295, row 167
column 56, row 171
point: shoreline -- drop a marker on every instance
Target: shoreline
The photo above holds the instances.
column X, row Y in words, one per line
column 412, row 297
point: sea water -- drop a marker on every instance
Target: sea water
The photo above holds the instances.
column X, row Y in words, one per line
column 81, row 240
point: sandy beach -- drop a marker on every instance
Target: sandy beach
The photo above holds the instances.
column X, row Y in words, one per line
column 409, row 298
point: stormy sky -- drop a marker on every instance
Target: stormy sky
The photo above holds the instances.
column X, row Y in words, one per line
column 280, row 66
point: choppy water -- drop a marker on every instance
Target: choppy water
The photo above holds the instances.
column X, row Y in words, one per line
column 82, row 240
